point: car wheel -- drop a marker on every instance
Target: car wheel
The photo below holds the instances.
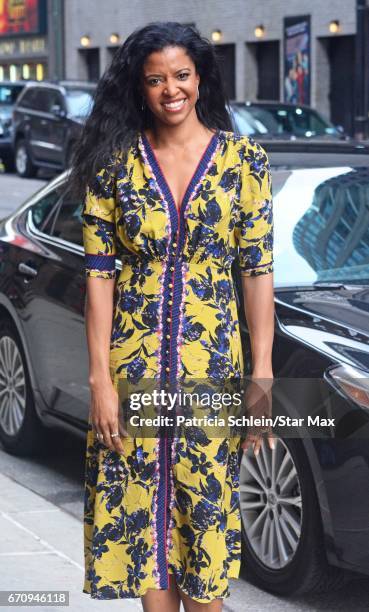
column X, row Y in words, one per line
column 20, row 428
column 23, row 163
column 283, row 550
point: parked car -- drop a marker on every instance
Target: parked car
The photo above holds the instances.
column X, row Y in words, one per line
column 9, row 92
column 48, row 118
column 283, row 121
column 305, row 508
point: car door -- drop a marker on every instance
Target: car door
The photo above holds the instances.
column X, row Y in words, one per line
column 55, row 307
column 38, row 130
column 55, row 125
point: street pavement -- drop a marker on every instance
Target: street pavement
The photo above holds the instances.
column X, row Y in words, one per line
column 41, row 518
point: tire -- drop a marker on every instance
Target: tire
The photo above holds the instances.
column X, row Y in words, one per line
column 304, row 568
column 21, row 431
column 23, row 163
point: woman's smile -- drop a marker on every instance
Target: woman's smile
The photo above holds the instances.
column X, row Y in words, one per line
column 175, row 106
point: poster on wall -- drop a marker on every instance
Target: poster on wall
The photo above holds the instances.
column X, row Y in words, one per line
column 21, row 17
column 297, row 59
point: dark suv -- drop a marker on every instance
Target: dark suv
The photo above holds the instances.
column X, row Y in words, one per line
column 47, row 120
column 9, row 92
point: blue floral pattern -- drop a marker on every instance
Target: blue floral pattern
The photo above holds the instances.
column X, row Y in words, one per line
column 171, row 505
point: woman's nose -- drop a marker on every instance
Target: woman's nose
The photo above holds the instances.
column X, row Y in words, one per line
column 171, row 88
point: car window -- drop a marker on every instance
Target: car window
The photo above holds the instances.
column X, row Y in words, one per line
column 44, row 210
column 247, row 123
column 29, row 98
column 42, row 102
column 52, row 97
column 9, row 93
column 321, row 225
column 79, row 102
column 68, row 222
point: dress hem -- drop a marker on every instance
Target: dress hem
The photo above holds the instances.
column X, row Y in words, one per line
column 138, row 596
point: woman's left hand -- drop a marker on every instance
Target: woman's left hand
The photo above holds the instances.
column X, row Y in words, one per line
column 258, row 404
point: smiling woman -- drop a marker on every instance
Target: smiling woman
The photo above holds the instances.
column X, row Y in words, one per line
column 177, row 204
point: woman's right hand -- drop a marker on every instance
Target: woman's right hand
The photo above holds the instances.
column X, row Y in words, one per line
column 105, row 416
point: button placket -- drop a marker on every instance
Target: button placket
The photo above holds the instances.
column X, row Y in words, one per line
column 172, row 259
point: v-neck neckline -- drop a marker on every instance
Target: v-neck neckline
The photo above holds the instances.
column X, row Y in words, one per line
column 196, row 177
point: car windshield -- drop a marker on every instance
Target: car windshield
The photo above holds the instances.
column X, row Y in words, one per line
column 248, row 124
column 9, row 93
column 276, row 120
column 79, row 102
column 321, row 225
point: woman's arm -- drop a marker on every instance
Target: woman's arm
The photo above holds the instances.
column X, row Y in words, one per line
column 99, row 240
column 255, row 236
column 258, row 294
column 104, row 397
column 98, row 318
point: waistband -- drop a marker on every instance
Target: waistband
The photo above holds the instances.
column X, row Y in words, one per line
column 138, row 260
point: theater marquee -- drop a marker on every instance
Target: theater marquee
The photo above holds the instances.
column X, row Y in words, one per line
column 20, row 17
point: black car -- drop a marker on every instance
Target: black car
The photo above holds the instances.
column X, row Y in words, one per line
column 47, row 120
column 283, row 121
column 9, row 92
column 305, row 506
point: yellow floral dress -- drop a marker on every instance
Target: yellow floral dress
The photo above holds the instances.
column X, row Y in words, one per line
column 170, row 505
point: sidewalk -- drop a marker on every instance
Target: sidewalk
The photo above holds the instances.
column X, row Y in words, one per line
column 41, row 548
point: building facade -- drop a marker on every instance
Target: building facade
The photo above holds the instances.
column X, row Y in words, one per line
column 286, row 50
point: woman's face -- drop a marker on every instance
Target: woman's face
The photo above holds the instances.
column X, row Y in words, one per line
column 169, row 85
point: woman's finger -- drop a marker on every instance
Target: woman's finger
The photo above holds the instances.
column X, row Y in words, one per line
column 116, row 440
column 107, row 437
column 257, row 446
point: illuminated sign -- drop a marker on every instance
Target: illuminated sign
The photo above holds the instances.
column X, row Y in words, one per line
column 22, row 17
column 23, row 46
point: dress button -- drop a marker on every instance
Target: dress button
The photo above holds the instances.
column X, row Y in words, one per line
column 167, row 369
column 174, row 244
column 171, row 268
column 170, row 285
column 168, row 336
column 170, row 302
column 169, row 319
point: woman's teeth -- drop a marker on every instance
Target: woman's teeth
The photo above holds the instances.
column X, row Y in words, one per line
column 174, row 105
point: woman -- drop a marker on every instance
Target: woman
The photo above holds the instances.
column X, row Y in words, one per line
column 175, row 195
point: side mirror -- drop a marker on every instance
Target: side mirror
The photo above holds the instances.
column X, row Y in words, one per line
column 57, row 111
column 340, row 129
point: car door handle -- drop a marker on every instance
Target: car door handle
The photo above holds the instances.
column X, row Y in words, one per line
column 27, row 270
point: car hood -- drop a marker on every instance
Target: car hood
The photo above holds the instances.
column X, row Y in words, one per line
column 335, row 321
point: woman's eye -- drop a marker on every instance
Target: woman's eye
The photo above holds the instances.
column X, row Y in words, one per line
column 153, row 81
column 184, row 75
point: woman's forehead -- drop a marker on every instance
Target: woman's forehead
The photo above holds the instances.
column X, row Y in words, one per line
column 171, row 57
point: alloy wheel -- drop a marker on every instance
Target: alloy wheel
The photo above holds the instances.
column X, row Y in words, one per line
column 271, row 505
column 21, row 159
column 12, row 387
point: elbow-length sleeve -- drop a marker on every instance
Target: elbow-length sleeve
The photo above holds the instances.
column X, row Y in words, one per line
column 254, row 226
column 99, row 227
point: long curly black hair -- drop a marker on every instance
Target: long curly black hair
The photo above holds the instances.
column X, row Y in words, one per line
column 117, row 115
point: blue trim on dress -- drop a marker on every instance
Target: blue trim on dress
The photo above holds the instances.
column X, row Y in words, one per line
column 103, row 263
column 169, row 348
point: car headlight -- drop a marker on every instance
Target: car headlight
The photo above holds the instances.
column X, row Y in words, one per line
column 350, row 381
